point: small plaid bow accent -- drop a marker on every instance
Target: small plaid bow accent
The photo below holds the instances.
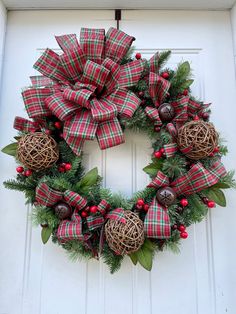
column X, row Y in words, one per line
column 157, row 221
column 86, row 87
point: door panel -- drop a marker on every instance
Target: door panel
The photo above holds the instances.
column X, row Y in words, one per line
column 40, row 278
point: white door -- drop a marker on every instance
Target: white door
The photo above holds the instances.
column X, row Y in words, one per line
column 37, row 279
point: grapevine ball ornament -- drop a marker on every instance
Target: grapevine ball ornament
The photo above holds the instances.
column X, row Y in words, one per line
column 37, row 151
column 197, row 139
column 95, row 89
column 125, row 237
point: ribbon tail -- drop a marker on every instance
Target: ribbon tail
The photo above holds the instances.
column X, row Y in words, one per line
column 70, row 229
column 47, row 196
column 157, row 221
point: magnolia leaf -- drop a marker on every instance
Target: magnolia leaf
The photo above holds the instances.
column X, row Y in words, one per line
column 149, row 245
column 186, row 84
column 145, row 255
column 45, row 234
column 216, row 195
column 221, row 185
column 88, row 180
column 153, row 167
column 184, row 68
column 134, row 258
column 10, row 149
column 17, row 138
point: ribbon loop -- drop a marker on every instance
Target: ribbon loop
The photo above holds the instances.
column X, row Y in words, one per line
column 92, row 43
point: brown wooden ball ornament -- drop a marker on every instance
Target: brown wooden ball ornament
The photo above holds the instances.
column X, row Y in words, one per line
column 166, row 196
column 125, row 238
column 200, row 136
column 37, row 151
column 166, row 112
column 63, row 210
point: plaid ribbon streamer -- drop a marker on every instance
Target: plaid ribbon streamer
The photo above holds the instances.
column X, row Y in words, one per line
column 71, row 229
column 97, row 221
column 117, row 214
column 88, row 86
column 153, row 114
column 25, row 125
column 170, row 149
column 157, row 223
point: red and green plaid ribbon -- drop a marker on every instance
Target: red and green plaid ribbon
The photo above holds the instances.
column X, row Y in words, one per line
column 71, row 229
column 93, row 86
column 157, row 223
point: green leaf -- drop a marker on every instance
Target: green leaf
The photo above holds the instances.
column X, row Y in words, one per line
column 221, row 185
column 153, row 167
column 134, row 258
column 88, row 180
column 10, row 149
column 184, row 68
column 216, row 195
column 145, row 256
column 45, row 234
column 149, row 245
column 187, row 84
column 17, row 138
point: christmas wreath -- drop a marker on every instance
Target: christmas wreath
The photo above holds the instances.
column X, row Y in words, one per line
column 96, row 89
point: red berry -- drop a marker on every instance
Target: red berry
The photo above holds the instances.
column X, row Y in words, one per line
column 28, row 173
column 205, row 115
column 162, row 150
column 61, row 169
column 58, row 125
column 211, row 154
column 181, row 228
column 141, row 94
column 174, row 227
column 165, row 75
column 185, row 92
column 146, row 207
column 184, row 202
column 143, row 102
column 196, row 118
column 84, row 214
column 138, row 55
column 61, row 135
column 216, row 150
column 93, row 209
column 67, row 166
column 140, row 202
column 19, row 169
column 211, row 204
column 139, row 207
column 158, row 154
column 183, row 235
column 157, row 129
column 48, row 132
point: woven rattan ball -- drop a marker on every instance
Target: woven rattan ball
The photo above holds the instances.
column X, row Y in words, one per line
column 125, row 238
column 200, row 137
column 37, row 151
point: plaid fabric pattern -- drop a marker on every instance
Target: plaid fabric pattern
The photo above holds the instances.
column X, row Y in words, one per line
column 171, row 129
column 117, row 214
column 73, row 62
column 67, row 42
column 95, row 74
column 153, row 114
column 92, row 43
column 170, row 149
column 47, row 196
column 34, row 101
column 158, row 88
column 94, row 222
column 181, row 109
column 81, row 125
column 25, row 125
column 70, row 229
column 102, row 109
column 159, row 181
column 153, row 63
column 198, row 178
column 103, row 207
column 76, row 143
column 49, row 65
column 193, row 106
column 157, row 222
column 117, row 44
column 113, row 76
column 109, row 134
column 40, row 80
column 126, row 102
column 74, row 199
column 60, row 107
column 80, row 97
column 130, row 73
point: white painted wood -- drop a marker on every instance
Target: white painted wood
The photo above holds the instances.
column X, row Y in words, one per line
column 200, row 280
column 120, row 4
column 3, row 21
column 233, row 25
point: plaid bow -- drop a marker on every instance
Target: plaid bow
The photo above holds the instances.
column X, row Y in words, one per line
column 157, row 221
column 86, row 87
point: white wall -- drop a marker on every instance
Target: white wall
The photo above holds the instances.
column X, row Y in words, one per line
column 233, row 23
column 3, row 20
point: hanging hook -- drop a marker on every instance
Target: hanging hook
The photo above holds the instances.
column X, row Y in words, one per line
column 118, row 18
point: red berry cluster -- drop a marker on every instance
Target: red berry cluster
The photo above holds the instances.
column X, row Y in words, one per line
column 215, row 151
column 182, row 230
column 159, row 153
column 64, row 167
column 165, row 75
column 89, row 210
column 140, row 204
column 24, row 172
column 208, row 203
